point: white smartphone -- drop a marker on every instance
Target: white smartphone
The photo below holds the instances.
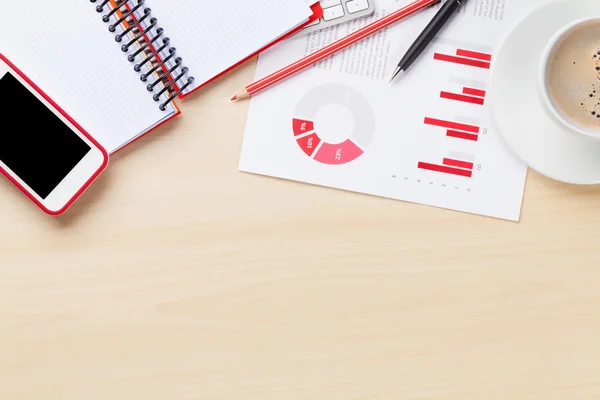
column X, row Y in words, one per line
column 43, row 151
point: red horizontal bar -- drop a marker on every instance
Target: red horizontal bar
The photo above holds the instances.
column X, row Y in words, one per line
column 460, row 60
column 474, row 92
column 445, row 170
column 451, row 125
column 462, row 135
column 457, row 163
column 474, row 54
column 462, row 97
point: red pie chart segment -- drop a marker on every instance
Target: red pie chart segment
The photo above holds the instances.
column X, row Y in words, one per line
column 301, row 126
column 338, row 141
column 341, row 153
column 309, row 143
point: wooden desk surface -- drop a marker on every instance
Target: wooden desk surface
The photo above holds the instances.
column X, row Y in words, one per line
column 177, row 277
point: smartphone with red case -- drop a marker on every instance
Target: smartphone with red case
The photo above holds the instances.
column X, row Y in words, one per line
column 43, row 151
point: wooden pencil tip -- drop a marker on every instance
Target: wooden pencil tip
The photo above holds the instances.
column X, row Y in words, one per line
column 241, row 96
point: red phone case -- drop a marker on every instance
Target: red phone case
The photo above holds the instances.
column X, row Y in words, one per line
column 71, row 120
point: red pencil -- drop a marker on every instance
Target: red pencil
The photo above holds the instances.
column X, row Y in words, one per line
column 333, row 48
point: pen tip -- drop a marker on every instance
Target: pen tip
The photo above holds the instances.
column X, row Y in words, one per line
column 396, row 74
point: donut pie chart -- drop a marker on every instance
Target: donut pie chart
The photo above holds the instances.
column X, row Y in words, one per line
column 307, row 133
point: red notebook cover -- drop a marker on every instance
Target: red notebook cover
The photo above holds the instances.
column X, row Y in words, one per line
column 317, row 13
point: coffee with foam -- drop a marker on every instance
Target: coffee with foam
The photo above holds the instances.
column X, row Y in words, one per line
column 573, row 76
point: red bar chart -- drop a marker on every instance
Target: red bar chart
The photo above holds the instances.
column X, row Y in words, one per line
column 457, row 163
column 455, row 129
column 466, row 57
column 474, row 92
column 468, row 95
column 474, row 54
column 461, row 135
column 450, row 166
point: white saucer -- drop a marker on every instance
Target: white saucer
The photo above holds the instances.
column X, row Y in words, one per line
column 516, row 102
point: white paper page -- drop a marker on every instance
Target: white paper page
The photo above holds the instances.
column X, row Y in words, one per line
column 66, row 49
column 214, row 35
column 340, row 124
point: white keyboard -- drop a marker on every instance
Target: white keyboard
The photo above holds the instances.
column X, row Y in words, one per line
column 339, row 11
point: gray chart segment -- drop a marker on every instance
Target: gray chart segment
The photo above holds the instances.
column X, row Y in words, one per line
column 468, row 120
column 464, row 45
column 462, row 156
column 364, row 118
column 469, row 83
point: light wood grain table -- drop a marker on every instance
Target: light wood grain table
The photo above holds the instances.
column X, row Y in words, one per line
column 177, row 277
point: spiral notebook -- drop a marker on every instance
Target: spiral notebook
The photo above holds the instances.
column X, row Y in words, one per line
column 117, row 67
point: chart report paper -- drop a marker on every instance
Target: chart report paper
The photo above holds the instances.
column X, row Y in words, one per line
column 428, row 138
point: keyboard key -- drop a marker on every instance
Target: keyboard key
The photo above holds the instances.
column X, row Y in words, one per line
column 330, row 3
column 334, row 12
column 340, row 11
column 355, row 6
column 315, row 22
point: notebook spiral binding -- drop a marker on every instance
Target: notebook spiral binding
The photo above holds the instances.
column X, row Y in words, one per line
column 142, row 29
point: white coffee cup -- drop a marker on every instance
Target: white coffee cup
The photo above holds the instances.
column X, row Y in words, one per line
column 548, row 99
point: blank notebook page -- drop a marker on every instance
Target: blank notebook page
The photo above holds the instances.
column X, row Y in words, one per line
column 213, row 35
column 66, row 49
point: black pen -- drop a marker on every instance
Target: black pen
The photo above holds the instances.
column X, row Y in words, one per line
column 429, row 33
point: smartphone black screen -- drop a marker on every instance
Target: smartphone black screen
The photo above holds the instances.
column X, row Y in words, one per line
column 39, row 148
